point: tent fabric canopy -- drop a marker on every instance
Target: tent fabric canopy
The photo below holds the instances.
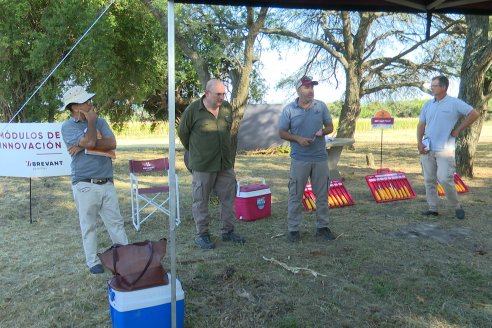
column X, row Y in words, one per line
column 477, row 7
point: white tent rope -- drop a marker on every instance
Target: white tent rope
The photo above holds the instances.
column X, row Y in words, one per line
column 60, row 62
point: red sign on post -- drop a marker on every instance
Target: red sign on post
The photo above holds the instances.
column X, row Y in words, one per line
column 382, row 123
column 382, row 120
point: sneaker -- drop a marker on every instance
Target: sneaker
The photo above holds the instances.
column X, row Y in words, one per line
column 231, row 236
column 96, row 269
column 429, row 213
column 460, row 213
column 293, row 236
column 204, row 242
column 325, row 233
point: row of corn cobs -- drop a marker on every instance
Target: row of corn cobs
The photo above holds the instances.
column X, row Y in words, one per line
column 386, row 190
column 458, row 184
column 333, row 201
column 336, row 198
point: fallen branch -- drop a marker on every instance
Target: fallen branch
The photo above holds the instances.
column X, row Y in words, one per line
column 279, row 235
column 294, row 270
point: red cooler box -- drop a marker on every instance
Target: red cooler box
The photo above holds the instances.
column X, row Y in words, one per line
column 253, row 200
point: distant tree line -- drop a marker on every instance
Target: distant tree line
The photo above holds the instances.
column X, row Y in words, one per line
column 400, row 108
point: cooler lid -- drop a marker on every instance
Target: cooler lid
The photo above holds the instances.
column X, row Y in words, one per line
column 253, row 187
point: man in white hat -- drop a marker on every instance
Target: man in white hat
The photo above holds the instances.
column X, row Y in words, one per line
column 305, row 122
column 92, row 175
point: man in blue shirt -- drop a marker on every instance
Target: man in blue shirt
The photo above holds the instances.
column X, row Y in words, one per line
column 92, row 175
column 304, row 123
column 436, row 134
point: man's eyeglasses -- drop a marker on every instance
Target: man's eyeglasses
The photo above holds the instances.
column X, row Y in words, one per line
column 218, row 94
column 435, row 85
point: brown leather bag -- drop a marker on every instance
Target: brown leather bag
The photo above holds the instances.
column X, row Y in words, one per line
column 136, row 266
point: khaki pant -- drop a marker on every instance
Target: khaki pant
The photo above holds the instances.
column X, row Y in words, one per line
column 440, row 166
column 93, row 200
column 224, row 185
column 299, row 173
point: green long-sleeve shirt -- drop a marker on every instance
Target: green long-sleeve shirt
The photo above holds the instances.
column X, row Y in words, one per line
column 208, row 139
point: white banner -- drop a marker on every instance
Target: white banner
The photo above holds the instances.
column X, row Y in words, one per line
column 33, row 150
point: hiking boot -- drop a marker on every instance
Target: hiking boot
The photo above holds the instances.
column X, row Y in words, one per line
column 97, row 269
column 204, row 242
column 293, row 236
column 429, row 213
column 325, row 233
column 231, row 236
column 460, row 213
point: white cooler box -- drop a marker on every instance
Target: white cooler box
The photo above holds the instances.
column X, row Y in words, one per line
column 146, row 308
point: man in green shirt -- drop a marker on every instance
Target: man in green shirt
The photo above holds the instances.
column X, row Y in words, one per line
column 205, row 131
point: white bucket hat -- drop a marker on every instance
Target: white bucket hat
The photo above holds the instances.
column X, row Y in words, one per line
column 75, row 95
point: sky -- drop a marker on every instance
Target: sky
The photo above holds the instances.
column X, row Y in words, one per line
column 276, row 67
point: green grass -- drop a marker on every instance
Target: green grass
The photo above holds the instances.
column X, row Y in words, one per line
column 371, row 276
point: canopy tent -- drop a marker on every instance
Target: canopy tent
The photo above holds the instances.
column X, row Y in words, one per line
column 477, row 7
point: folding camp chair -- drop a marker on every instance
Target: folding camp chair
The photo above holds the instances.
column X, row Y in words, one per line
column 146, row 194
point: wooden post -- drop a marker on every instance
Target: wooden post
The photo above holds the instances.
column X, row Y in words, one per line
column 370, row 159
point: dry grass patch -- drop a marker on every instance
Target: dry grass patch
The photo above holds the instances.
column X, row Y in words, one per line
column 375, row 274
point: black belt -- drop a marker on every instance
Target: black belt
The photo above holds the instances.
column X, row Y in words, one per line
column 95, row 181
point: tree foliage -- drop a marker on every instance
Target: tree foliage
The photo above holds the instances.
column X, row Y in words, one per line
column 122, row 58
column 221, row 42
column 379, row 53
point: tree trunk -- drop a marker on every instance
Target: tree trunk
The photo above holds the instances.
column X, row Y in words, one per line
column 351, row 107
column 241, row 76
column 473, row 90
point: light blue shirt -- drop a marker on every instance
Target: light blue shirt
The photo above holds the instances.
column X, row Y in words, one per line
column 305, row 123
column 440, row 117
column 87, row 166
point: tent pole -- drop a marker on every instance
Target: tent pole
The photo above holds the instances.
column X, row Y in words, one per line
column 381, row 148
column 30, row 200
column 172, row 153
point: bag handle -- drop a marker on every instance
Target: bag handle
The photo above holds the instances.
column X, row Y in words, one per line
column 115, row 260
